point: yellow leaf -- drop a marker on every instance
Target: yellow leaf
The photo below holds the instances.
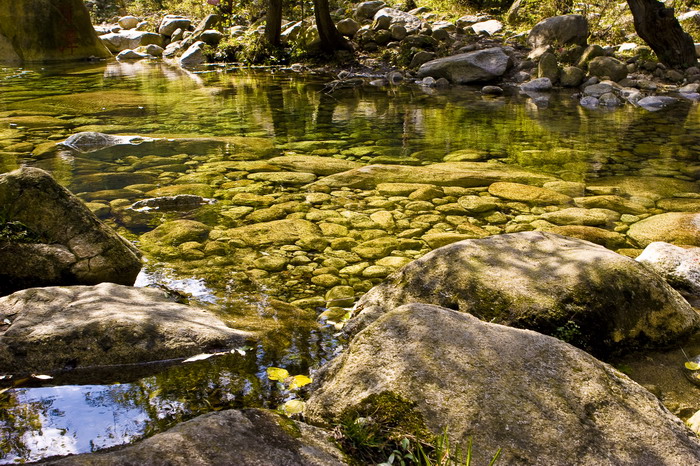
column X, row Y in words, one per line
column 276, row 373
column 293, row 407
column 298, row 381
column 692, row 366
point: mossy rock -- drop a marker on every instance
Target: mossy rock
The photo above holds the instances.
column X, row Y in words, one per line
column 48, row 30
column 174, row 233
column 541, row 281
column 678, row 228
column 529, row 194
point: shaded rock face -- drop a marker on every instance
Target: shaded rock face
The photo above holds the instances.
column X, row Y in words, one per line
column 479, row 66
column 56, row 327
column 541, row 400
column 47, row 30
column 247, row 437
column 59, row 241
column 579, row 291
column 559, row 30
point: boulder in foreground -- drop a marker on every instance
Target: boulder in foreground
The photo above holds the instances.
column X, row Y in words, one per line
column 565, row 287
column 64, row 327
column 540, row 400
column 250, row 437
column 49, row 237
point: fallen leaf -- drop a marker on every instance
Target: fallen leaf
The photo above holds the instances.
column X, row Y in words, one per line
column 692, row 366
column 293, row 407
column 276, row 373
column 298, row 381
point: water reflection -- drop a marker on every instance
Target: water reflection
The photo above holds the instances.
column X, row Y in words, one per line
column 291, row 115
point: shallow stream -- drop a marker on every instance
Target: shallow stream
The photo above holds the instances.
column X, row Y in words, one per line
column 272, row 140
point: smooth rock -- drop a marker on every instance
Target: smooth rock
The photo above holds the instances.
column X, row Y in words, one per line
column 128, row 22
column 611, row 67
column 170, row 23
column 463, row 174
column 528, row 194
column 656, row 102
column 464, row 68
column 541, row 281
column 679, row 228
column 249, row 437
column 537, row 85
column 680, row 267
column 539, row 400
column 57, row 327
column 71, row 246
column 559, row 30
column 193, row 56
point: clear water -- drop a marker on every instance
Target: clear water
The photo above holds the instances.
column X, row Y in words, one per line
column 94, row 408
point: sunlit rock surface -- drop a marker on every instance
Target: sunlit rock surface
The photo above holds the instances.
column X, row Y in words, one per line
column 51, row 238
column 540, row 400
column 52, row 328
column 573, row 289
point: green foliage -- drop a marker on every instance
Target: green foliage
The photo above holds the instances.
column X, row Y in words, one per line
column 18, row 232
column 386, row 429
column 570, row 332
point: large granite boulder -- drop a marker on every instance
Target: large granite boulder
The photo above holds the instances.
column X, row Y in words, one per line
column 57, row 327
column 479, row 66
column 47, row 30
column 540, row 400
column 671, row 227
column 49, row 237
column 130, row 39
column 249, row 437
column 570, row 288
column 559, row 31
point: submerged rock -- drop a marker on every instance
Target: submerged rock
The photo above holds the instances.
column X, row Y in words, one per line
column 593, row 297
column 249, row 437
column 51, row 238
column 463, row 174
column 671, row 227
column 540, row 400
column 57, row 327
column 479, row 66
column 47, row 30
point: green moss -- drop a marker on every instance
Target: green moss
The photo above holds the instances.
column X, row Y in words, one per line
column 373, row 429
column 289, row 426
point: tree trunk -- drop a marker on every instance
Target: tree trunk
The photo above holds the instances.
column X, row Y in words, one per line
column 659, row 28
column 331, row 39
column 273, row 22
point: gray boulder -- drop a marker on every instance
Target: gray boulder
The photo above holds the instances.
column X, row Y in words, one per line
column 211, row 37
column 129, row 39
column 655, row 103
column 348, row 27
column 171, row 23
column 537, row 85
column 128, row 22
column 540, row 400
column 49, row 237
column 479, row 66
column 593, row 297
column 611, row 67
column 679, row 266
column 56, row 327
column 130, row 55
column 249, row 437
column 367, row 10
column 193, row 56
column 390, row 16
column 558, row 31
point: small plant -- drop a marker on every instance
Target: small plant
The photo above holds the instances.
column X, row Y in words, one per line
column 570, row 332
column 388, row 430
